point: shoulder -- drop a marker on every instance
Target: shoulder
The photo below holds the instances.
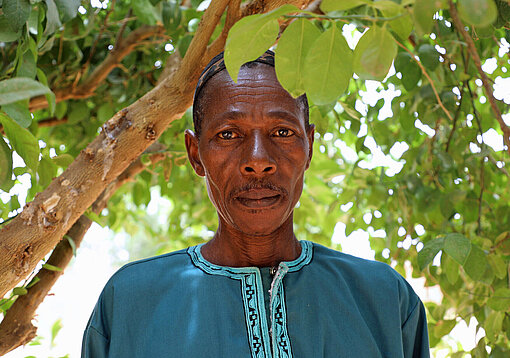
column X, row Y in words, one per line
column 149, row 270
column 361, row 274
column 355, row 265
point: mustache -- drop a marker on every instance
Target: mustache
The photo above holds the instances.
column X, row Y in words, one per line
column 258, row 185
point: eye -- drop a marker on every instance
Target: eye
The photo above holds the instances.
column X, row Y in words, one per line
column 227, row 135
column 283, row 132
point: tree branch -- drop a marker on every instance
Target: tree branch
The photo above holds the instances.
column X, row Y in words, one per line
column 16, row 328
column 25, row 240
column 483, row 76
column 112, row 60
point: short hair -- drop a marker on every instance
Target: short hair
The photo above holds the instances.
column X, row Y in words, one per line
column 217, row 65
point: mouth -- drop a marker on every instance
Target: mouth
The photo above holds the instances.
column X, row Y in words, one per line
column 258, row 198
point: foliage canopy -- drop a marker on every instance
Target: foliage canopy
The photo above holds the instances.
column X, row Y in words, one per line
column 411, row 163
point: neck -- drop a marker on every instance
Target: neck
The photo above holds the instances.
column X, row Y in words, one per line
column 231, row 247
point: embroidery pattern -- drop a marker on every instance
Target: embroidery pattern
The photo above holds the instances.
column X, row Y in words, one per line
column 253, row 301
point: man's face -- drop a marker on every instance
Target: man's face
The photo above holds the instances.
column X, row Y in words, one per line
column 253, row 150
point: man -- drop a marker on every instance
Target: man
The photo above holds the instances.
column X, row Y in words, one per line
column 254, row 290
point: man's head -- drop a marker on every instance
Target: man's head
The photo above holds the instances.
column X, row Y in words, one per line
column 253, row 147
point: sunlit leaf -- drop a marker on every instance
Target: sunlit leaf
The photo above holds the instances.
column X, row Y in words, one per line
column 250, row 37
column 429, row 251
column 328, row 67
column 5, row 165
column 500, row 300
column 338, row 5
column 374, row 54
column 23, row 142
column 478, row 12
column 476, row 263
column 457, row 246
column 291, row 52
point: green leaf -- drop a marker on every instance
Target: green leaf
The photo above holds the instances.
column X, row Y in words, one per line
column 340, row 5
column 17, row 12
column 19, row 112
column 5, row 166
column 23, row 142
column 19, row 291
column 55, row 328
column 291, row 52
column 423, row 12
column 171, row 15
column 451, row 269
column 429, row 57
column 46, row 171
column 493, row 324
column 411, row 72
column 499, row 266
column 105, row 112
column 79, row 112
column 94, row 217
column 457, row 246
column 63, row 160
column 68, row 8
column 52, row 268
column 403, row 25
column 50, row 96
column 429, row 251
column 328, row 67
column 71, row 243
column 443, row 327
column 476, row 263
column 27, row 66
column 33, row 282
column 17, row 89
column 250, row 37
column 7, row 34
column 144, row 11
column 52, row 18
column 480, row 13
column 374, row 54
column 500, row 300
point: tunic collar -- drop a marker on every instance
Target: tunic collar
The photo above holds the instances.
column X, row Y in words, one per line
column 288, row 266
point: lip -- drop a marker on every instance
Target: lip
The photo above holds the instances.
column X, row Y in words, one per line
column 259, row 198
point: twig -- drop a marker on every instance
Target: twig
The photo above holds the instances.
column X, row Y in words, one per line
column 483, row 76
column 101, row 31
column 455, row 119
column 112, row 60
column 122, row 28
column 448, row 114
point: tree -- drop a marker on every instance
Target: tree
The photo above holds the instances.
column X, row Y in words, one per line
column 84, row 95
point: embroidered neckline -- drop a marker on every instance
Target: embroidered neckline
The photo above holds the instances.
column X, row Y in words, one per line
column 262, row 344
column 196, row 256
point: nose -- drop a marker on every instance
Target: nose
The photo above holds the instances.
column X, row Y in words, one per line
column 257, row 160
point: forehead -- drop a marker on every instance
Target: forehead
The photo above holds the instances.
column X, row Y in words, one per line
column 257, row 92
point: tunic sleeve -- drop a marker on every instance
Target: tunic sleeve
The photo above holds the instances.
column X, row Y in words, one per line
column 95, row 344
column 96, row 340
column 415, row 334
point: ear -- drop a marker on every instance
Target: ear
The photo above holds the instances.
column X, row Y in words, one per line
column 310, row 134
column 191, row 142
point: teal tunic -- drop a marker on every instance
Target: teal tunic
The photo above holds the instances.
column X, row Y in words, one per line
column 323, row 304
